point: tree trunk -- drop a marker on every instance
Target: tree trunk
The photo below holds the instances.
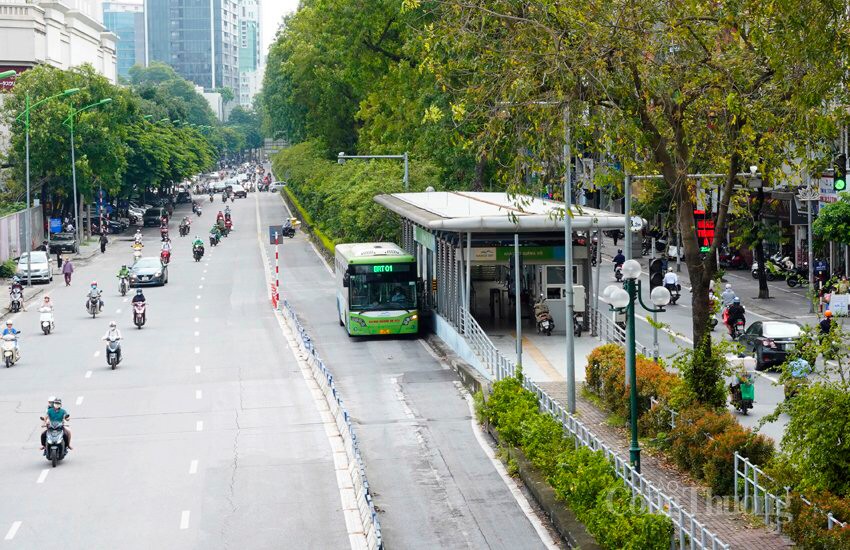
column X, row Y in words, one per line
column 764, row 290
column 478, row 177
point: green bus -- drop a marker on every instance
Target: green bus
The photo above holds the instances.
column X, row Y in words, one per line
column 376, row 289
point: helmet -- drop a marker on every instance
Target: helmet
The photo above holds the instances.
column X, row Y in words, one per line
column 619, row 251
column 737, row 300
column 123, row 265
column 827, row 313
column 138, row 292
column 728, row 287
column 9, row 323
column 669, row 270
column 57, row 401
column 16, row 279
column 94, row 283
column 112, row 324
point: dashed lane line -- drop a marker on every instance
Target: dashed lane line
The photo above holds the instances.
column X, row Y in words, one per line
column 193, row 467
column 13, row 530
column 42, row 476
column 184, row 520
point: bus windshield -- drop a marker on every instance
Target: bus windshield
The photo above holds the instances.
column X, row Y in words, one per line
column 379, row 291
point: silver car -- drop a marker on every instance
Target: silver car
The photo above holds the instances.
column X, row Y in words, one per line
column 40, row 267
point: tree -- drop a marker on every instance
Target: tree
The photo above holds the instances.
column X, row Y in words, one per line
column 160, row 84
column 833, row 221
column 673, row 89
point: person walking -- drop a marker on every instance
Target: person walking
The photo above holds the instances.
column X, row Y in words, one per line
column 67, row 270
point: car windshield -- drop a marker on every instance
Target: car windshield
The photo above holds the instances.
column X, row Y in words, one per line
column 147, row 263
column 781, row 330
column 37, row 256
column 370, row 292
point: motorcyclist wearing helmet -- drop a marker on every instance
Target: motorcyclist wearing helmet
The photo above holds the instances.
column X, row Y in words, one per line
column 671, row 280
column 137, row 238
column 166, row 245
column 12, row 331
column 95, row 292
column 114, row 334
column 55, row 413
column 124, row 272
column 826, row 322
column 139, row 297
column 735, row 312
column 197, row 242
column 619, row 259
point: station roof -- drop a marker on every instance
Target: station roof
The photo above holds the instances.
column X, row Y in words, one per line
column 477, row 212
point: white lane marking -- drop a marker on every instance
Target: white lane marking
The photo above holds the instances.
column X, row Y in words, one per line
column 193, row 467
column 197, row 333
column 118, row 311
column 197, row 349
column 79, row 400
column 88, row 374
column 97, row 353
column 197, row 319
column 198, row 297
column 197, row 369
column 206, row 265
column 184, row 519
column 125, row 300
column 13, row 530
column 197, row 307
column 200, row 287
column 42, row 476
column 199, row 426
column 205, row 269
column 203, row 278
column 199, row 394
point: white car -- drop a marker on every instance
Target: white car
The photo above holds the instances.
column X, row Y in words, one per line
column 40, row 267
column 277, row 186
column 239, row 191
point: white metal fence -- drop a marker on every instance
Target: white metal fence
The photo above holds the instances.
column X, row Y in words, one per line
column 689, row 532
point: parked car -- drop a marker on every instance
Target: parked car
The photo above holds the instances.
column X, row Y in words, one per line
column 153, row 216
column 114, row 227
column 239, row 192
column 40, row 267
column 63, row 242
column 148, row 271
column 770, row 341
column 183, row 197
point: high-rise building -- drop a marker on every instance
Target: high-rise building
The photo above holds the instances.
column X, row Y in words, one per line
column 127, row 21
column 250, row 44
column 199, row 38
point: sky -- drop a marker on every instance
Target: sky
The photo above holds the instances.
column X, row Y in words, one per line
column 273, row 11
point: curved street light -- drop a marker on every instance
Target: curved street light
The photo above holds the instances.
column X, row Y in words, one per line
column 69, row 122
column 25, row 116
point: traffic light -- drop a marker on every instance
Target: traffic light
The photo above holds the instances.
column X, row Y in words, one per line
column 840, row 182
column 656, row 273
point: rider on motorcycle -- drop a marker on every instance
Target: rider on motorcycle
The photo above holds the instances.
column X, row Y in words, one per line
column 671, row 280
column 17, row 286
column 227, row 212
column 198, row 242
column 114, row 334
column 139, row 297
column 95, row 292
column 619, row 259
column 727, row 297
column 735, row 312
column 166, row 245
column 13, row 331
column 55, row 413
column 219, row 216
column 124, row 272
column 137, row 238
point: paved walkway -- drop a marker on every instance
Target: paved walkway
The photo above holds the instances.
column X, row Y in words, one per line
column 732, row 527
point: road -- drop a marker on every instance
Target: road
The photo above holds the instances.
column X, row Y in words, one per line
column 785, row 303
column 435, row 485
column 206, row 436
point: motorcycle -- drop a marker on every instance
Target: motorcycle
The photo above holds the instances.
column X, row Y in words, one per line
column 618, row 272
column 737, row 329
column 123, row 285
column 799, row 276
column 675, row 292
column 46, row 320
column 211, row 197
column 163, row 233
column 137, row 254
column 16, row 300
column 184, row 229
column 198, row 211
column 545, row 324
column 743, row 393
column 165, row 257
column 198, row 253
column 113, row 347
column 224, row 197
column 228, row 226
column 139, row 317
column 288, row 231
column 93, row 306
column 10, row 354
column 55, row 448
column 731, row 260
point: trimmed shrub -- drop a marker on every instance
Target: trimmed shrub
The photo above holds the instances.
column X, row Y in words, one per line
column 809, row 526
column 8, row 269
column 585, row 480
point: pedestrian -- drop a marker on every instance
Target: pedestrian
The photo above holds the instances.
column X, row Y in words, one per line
column 67, row 270
column 103, row 241
column 58, row 258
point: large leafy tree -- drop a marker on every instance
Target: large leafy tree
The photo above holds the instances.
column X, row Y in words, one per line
column 665, row 88
column 160, row 84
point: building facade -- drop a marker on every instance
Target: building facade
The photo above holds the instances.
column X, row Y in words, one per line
column 198, row 38
column 61, row 33
column 250, row 46
column 127, row 21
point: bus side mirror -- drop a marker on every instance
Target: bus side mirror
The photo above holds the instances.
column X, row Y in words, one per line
column 345, row 279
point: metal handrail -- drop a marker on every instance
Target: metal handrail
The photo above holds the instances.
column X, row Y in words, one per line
column 688, row 531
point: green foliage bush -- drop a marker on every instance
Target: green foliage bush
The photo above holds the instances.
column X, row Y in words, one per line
column 704, row 440
column 340, row 199
column 8, row 269
column 582, row 478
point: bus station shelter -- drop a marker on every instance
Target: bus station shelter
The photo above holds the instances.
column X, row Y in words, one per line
column 464, row 244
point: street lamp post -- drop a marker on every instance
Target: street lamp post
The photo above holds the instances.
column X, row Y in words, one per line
column 810, row 195
column 623, row 300
column 25, row 116
column 342, row 158
column 69, row 122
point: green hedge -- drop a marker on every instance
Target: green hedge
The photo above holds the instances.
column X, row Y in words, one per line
column 308, row 219
column 339, row 200
column 583, row 479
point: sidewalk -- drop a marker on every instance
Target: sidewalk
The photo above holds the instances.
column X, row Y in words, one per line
column 732, row 527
